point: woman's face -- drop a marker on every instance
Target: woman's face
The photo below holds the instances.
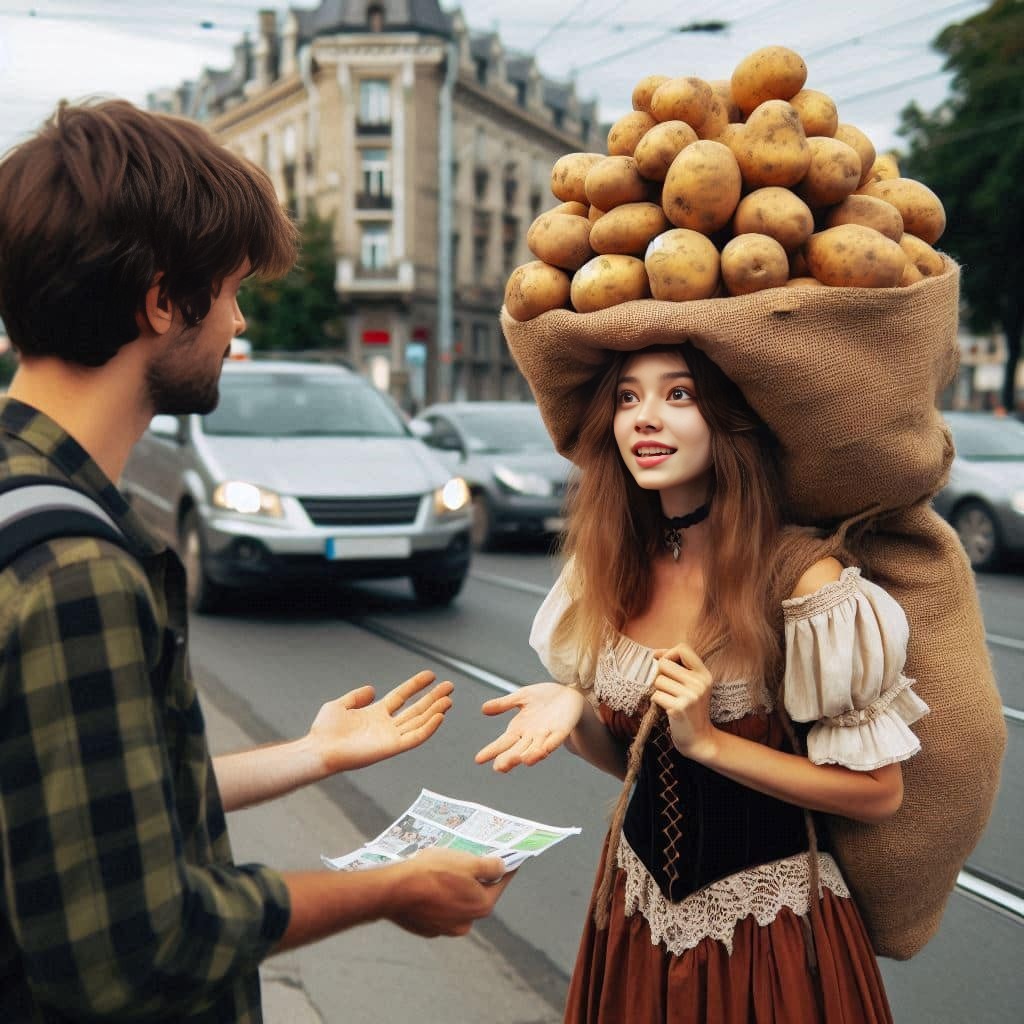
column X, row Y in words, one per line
column 662, row 437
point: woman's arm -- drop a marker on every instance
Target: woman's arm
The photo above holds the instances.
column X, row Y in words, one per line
column 592, row 741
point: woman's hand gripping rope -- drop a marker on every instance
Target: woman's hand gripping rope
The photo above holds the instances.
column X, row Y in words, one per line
column 682, row 689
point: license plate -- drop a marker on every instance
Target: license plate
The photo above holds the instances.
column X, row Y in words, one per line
column 368, row 547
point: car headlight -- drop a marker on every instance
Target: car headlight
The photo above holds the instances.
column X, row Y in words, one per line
column 1017, row 502
column 250, row 500
column 453, row 497
column 524, row 483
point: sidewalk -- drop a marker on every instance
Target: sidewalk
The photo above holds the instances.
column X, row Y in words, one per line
column 375, row 971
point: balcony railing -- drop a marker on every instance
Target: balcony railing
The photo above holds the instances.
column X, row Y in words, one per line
column 365, row 273
column 373, row 127
column 372, row 201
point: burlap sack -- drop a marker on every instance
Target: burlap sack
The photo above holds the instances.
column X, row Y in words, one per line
column 847, row 378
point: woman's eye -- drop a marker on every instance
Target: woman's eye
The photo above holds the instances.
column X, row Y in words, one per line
column 626, row 396
column 679, row 394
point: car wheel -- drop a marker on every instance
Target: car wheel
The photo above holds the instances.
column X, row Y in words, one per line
column 978, row 532
column 481, row 531
column 204, row 596
column 435, row 591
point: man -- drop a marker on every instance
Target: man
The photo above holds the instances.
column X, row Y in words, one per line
column 124, row 238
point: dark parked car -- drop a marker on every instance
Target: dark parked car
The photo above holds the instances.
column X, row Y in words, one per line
column 503, row 451
column 984, row 499
column 303, row 471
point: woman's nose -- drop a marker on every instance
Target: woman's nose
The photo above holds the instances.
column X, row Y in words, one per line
column 647, row 416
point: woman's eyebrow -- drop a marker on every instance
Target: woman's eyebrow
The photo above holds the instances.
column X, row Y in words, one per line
column 673, row 375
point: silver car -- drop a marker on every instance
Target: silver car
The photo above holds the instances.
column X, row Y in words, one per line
column 303, row 472
column 984, row 499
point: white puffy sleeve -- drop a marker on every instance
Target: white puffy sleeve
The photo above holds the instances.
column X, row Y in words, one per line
column 558, row 659
column 846, row 645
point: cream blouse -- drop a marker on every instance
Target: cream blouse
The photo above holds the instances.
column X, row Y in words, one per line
column 845, row 651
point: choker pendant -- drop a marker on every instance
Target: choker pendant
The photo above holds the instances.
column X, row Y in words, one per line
column 672, row 536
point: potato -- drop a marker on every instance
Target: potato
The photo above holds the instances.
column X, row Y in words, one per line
column 911, row 275
column 576, row 209
column 682, row 265
column 613, row 181
column 722, row 88
column 772, row 148
column 682, row 99
column 644, row 89
column 817, row 112
column 922, row 210
column 628, row 131
column 922, row 255
column 608, row 280
column 534, row 288
column 853, row 256
column 753, row 262
column 660, row 146
column 884, row 168
column 628, row 229
column 833, row 174
column 702, row 187
column 803, row 282
column 716, row 121
column 776, row 212
column 732, row 136
column 561, row 239
column 569, row 174
column 771, row 73
column 594, row 214
column 869, row 211
column 863, row 146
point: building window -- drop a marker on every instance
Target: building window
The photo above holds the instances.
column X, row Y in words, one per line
column 521, row 93
column 559, row 117
column 481, row 179
column 481, row 70
column 375, row 18
column 509, row 243
column 375, row 101
column 455, row 253
column 481, row 342
column 375, row 168
column 375, row 253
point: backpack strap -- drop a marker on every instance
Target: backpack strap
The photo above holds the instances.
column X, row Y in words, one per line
column 36, row 509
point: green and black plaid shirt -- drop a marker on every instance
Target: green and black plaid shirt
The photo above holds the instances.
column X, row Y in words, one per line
column 119, row 898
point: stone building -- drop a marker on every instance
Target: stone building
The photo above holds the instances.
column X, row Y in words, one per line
column 348, row 107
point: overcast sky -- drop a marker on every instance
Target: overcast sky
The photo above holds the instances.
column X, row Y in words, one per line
column 873, row 56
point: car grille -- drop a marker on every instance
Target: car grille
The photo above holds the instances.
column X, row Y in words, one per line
column 362, row 511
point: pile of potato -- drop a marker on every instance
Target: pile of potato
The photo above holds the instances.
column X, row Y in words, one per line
column 724, row 188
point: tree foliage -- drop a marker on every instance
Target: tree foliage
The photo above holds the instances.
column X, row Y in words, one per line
column 299, row 311
column 970, row 150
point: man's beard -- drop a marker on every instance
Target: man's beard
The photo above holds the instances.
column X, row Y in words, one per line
column 177, row 386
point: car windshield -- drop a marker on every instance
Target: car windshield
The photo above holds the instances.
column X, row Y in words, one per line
column 988, row 439
column 301, row 405
column 511, row 428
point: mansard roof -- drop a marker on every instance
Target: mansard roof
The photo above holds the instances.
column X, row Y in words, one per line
column 353, row 15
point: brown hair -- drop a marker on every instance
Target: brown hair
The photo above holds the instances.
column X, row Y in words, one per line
column 103, row 199
column 615, row 528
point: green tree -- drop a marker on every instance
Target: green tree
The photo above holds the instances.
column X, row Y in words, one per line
column 970, row 150
column 299, row 311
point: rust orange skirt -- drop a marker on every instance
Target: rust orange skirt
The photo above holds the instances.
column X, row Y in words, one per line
column 622, row 978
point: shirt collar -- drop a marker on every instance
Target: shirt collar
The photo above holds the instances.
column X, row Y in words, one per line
column 61, row 450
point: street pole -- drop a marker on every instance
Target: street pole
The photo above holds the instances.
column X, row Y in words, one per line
column 444, row 226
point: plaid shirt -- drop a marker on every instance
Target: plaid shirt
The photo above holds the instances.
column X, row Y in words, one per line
column 119, row 898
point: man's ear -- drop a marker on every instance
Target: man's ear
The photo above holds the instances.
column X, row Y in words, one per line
column 157, row 313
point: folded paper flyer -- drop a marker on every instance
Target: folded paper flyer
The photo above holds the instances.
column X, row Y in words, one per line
column 436, row 820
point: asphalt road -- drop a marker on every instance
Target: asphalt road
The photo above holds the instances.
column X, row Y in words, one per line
column 268, row 665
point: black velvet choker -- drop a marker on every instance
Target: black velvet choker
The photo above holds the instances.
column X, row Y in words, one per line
column 674, row 526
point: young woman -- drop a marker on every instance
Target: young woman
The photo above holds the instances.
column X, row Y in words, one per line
column 685, row 668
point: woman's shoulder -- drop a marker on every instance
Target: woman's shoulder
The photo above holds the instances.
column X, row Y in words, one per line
column 818, row 575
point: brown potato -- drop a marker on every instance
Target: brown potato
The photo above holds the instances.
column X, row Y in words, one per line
column 628, row 229
column 534, row 288
column 682, row 265
column 752, row 262
column 803, row 282
column 858, row 141
column 853, row 256
column 884, row 168
column 569, row 174
column 608, row 280
column 560, row 239
column 833, row 174
column 682, row 99
column 922, row 210
column 660, row 146
column 869, row 211
column 732, row 136
column 776, row 212
column 644, row 90
column 716, row 121
column 771, row 73
column 628, row 131
column 817, row 112
column 594, row 214
column 722, row 88
column 911, row 275
column 576, row 209
column 613, row 181
column 702, row 187
column 922, row 255
column 772, row 148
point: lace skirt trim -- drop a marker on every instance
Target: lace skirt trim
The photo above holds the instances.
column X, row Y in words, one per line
column 714, row 911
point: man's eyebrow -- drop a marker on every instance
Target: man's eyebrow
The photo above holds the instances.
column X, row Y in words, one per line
column 673, row 375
